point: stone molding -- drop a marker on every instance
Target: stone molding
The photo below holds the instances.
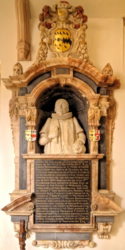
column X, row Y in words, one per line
column 102, row 80
column 111, row 115
column 77, row 156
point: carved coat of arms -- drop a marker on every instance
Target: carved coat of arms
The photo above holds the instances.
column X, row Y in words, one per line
column 62, row 41
column 62, row 31
column 30, row 135
column 94, row 134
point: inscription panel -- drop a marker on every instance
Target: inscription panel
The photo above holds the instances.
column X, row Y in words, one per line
column 62, row 191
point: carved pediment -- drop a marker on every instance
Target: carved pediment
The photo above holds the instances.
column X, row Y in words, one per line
column 104, row 206
column 20, row 206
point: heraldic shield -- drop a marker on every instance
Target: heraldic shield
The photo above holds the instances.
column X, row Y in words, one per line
column 30, row 135
column 62, row 41
column 94, row 135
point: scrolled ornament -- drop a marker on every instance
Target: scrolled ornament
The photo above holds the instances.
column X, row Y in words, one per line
column 34, row 243
column 94, row 207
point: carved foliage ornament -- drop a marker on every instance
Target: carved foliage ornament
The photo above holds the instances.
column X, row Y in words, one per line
column 64, row 27
column 62, row 11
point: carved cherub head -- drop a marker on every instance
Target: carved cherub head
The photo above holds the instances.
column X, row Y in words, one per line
column 17, row 69
column 61, row 107
column 108, row 70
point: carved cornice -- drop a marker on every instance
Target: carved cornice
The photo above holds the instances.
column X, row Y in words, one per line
column 100, row 79
column 78, row 156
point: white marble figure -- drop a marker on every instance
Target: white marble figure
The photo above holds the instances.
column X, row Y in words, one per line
column 62, row 133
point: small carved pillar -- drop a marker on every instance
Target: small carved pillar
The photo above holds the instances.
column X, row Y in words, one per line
column 22, row 235
column 31, row 120
column 23, row 30
column 93, row 121
column 98, row 108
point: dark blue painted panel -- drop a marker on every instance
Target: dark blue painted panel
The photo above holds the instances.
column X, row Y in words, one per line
column 86, row 79
column 62, row 236
column 22, row 150
column 37, row 80
column 102, row 150
column 18, row 218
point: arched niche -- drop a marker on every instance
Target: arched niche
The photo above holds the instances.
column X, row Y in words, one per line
column 78, row 94
column 78, row 105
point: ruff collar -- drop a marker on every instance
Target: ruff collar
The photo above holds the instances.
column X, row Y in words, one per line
column 62, row 117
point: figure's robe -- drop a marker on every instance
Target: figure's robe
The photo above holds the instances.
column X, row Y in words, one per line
column 68, row 130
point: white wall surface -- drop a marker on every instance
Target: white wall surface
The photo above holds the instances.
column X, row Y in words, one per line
column 105, row 40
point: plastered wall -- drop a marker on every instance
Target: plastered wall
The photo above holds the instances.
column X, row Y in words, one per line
column 105, row 40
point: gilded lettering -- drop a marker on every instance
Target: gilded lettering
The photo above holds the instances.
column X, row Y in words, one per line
column 62, row 189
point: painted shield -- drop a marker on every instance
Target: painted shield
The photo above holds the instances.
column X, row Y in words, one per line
column 97, row 135
column 33, row 135
column 94, row 135
column 62, row 40
column 30, row 135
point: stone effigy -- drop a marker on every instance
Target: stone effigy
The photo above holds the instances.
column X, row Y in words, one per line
column 62, row 133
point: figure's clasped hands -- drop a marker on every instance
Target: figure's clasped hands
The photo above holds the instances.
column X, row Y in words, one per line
column 79, row 147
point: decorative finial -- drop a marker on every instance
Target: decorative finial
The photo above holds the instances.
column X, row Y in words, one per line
column 108, row 70
column 17, row 69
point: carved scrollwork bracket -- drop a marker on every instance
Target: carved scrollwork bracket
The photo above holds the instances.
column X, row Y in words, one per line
column 104, row 230
column 94, row 115
column 104, row 105
column 17, row 230
column 97, row 109
column 63, row 244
